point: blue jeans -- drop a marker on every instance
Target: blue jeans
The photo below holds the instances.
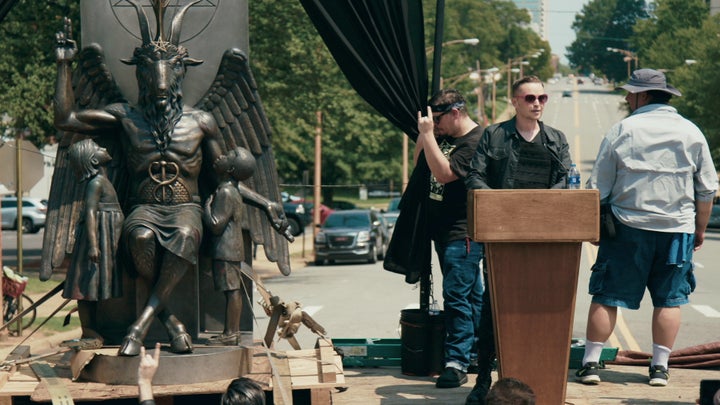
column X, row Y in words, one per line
column 462, row 296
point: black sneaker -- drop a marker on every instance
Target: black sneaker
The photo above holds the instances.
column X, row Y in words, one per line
column 451, row 378
column 659, row 376
column 588, row 374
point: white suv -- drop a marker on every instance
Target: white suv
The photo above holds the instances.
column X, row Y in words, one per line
column 33, row 213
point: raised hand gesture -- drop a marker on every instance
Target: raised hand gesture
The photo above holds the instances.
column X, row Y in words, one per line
column 66, row 47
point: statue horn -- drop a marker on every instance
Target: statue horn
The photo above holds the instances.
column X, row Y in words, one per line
column 177, row 23
column 143, row 21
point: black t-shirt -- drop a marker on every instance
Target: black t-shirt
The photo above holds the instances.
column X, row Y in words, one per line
column 534, row 163
column 447, row 203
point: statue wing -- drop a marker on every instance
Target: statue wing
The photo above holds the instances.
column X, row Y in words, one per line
column 94, row 88
column 234, row 101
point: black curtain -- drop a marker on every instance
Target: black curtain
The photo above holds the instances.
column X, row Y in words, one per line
column 379, row 46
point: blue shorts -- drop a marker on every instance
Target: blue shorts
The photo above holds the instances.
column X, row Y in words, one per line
column 635, row 259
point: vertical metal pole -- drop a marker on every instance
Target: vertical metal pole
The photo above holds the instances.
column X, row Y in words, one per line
column 509, row 80
column 318, row 175
column 437, row 51
column 19, row 220
column 425, row 284
column 493, row 97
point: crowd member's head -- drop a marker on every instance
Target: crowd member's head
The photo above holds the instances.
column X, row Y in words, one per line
column 510, row 391
column 243, row 391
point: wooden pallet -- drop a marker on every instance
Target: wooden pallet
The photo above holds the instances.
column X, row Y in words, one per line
column 316, row 372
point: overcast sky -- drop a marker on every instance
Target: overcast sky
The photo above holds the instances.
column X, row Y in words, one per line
column 561, row 14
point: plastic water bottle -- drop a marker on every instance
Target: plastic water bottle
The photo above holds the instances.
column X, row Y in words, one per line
column 573, row 178
column 434, row 308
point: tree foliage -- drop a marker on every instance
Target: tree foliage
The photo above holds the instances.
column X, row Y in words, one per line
column 603, row 24
column 27, row 64
column 681, row 31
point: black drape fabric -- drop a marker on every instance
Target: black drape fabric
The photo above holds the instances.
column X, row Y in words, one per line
column 379, row 46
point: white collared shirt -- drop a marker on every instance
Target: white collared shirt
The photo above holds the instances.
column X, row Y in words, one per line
column 651, row 167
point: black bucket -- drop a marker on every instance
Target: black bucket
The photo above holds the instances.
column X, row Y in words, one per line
column 422, row 337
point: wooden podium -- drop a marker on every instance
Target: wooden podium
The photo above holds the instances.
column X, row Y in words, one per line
column 533, row 246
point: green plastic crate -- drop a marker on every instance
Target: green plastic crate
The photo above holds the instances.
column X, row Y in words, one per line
column 577, row 350
column 368, row 352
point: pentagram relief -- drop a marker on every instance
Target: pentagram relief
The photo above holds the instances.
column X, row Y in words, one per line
column 198, row 18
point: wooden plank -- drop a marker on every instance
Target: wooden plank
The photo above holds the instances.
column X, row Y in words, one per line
column 282, row 385
column 325, row 367
column 534, row 215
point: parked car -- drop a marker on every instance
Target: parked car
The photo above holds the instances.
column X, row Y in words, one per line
column 342, row 205
column 390, row 219
column 358, row 234
column 567, row 93
column 33, row 214
column 394, row 204
column 297, row 216
column 714, row 217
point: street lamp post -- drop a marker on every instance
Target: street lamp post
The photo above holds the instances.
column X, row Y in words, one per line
column 466, row 41
column 629, row 56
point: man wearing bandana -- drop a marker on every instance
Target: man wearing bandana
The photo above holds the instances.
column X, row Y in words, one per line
column 447, row 141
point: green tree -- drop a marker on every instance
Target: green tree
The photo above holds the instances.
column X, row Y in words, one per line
column 663, row 40
column 27, row 64
column 681, row 31
column 600, row 25
column 298, row 77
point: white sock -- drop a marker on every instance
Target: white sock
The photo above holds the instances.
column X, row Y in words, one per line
column 593, row 350
column 661, row 355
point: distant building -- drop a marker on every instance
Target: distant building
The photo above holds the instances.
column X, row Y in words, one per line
column 538, row 13
column 714, row 7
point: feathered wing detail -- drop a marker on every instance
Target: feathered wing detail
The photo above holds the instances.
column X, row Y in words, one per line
column 234, row 101
column 94, row 88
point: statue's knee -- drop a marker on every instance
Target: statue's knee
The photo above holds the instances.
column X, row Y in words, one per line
column 141, row 238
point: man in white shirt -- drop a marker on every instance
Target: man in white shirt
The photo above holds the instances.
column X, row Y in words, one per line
column 655, row 171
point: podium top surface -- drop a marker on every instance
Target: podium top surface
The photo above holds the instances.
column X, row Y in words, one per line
column 534, row 215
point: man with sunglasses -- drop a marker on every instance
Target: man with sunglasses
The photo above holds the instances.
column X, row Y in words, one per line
column 655, row 170
column 446, row 142
column 521, row 153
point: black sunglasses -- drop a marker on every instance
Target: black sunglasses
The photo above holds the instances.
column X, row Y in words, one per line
column 530, row 98
column 436, row 118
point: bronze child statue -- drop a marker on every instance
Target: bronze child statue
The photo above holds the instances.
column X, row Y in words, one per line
column 93, row 273
column 223, row 218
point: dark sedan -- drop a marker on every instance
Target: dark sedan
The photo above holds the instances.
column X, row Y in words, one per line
column 715, row 217
column 351, row 235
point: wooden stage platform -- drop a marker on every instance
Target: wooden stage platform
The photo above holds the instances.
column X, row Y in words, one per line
column 288, row 377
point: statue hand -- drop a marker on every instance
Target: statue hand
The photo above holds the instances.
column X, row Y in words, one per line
column 66, row 46
column 94, row 254
column 279, row 220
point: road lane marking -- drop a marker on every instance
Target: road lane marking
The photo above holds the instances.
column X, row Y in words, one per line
column 625, row 332
column 706, row 310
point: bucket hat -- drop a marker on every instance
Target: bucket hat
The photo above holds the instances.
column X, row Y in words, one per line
column 649, row 79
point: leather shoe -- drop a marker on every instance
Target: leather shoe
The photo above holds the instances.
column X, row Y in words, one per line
column 451, row 378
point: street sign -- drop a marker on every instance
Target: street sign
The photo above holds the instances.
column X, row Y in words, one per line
column 32, row 165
